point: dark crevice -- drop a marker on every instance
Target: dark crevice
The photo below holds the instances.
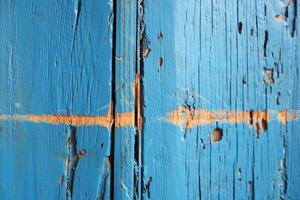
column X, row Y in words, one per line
column 240, row 27
column 278, row 99
column 102, row 188
column 146, row 188
column 141, row 48
column 266, row 43
column 293, row 8
column 72, row 160
column 76, row 23
column 251, row 117
column 113, row 99
column 282, row 170
column 78, row 12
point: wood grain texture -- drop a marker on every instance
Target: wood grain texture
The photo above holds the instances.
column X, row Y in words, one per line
column 221, row 55
column 125, row 73
column 160, row 99
column 53, row 56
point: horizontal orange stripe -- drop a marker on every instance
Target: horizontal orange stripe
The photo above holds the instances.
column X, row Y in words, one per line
column 189, row 118
column 121, row 119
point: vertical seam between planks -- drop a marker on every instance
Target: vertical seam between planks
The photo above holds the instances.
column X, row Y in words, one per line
column 138, row 178
column 113, row 99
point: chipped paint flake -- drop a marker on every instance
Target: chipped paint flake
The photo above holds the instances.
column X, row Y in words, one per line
column 138, row 103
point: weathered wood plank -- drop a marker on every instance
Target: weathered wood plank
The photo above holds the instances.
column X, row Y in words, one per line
column 229, row 58
column 215, row 81
column 125, row 75
column 55, row 58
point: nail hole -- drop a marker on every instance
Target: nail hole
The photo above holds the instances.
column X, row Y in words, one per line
column 160, row 61
column 239, row 174
column 217, row 135
column 240, row 27
column 160, row 36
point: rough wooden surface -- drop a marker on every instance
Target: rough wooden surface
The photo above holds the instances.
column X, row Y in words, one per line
column 233, row 56
column 55, row 58
column 125, row 66
column 160, row 99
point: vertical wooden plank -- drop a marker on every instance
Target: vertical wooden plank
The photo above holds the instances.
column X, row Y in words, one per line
column 292, row 137
column 55, row 59
column 230, row 65
column 125, row 76
column 164, row 171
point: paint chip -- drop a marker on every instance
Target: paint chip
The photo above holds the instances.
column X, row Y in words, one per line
column 278, row 18
column 146, row 53
column 269, row 76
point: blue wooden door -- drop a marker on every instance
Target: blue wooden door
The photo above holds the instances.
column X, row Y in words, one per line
column 160, row 99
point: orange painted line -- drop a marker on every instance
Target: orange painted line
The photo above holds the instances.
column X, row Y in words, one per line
column 189, row 118
column 121, row 119
column 76, row 120
column 124, row 119
column 182, row 117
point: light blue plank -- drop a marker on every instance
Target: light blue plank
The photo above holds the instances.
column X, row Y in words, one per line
column 292, row 136
column 125, row 73
column 215, row 58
